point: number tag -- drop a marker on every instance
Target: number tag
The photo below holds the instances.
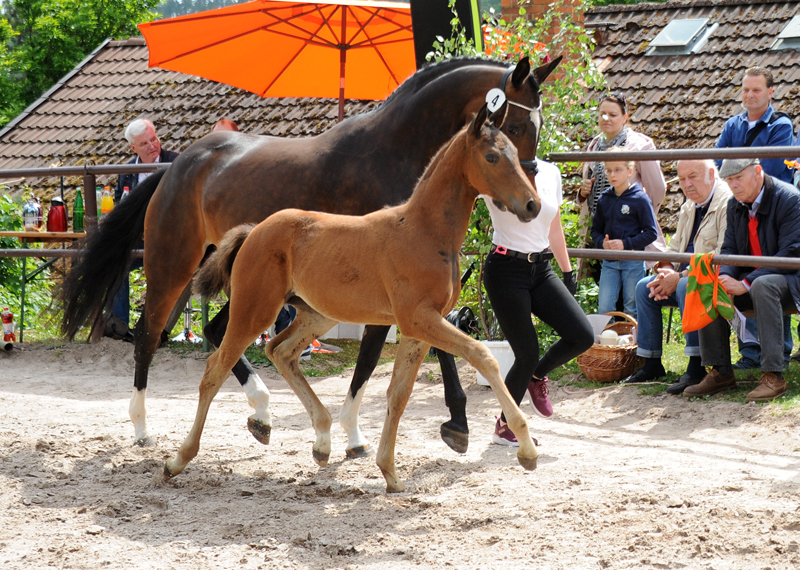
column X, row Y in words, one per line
column 495, row 99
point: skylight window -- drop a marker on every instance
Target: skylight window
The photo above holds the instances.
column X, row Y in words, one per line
column 789, row 38
column 682, row 37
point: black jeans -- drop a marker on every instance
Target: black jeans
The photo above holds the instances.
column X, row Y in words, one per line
column 518, row 289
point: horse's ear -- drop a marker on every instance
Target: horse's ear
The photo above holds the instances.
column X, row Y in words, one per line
column 498, row 117
column 480, row 120
column 521, row 72
column 541, row 72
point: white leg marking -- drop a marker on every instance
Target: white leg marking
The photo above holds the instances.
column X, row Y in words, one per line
column 348, row 419
column 138, row 414
column 258, row 398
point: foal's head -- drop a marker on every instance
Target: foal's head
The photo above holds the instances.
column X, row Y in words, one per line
column 492, row 166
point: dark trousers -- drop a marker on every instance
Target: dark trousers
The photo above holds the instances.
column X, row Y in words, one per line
column 518, row 289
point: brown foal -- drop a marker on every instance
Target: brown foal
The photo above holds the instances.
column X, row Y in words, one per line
column 396, row 266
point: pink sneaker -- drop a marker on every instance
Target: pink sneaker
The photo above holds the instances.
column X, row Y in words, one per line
column 538, row 395
column 503, row 435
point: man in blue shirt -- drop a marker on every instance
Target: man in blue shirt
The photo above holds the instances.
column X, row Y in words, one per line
column 760, row 124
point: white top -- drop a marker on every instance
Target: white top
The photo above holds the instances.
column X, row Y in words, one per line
column 533, row 236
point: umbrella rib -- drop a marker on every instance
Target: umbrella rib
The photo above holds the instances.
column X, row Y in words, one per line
column 294, row 57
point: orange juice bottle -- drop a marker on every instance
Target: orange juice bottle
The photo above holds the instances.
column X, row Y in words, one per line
column 106, row 202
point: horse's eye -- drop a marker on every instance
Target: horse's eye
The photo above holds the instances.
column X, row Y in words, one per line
column 514, row 130
column 491, row 158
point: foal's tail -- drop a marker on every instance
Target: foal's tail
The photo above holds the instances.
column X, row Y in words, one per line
column 215, row 274
column 97, row 275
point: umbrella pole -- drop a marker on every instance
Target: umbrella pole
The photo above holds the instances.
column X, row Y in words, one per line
column 342, row 59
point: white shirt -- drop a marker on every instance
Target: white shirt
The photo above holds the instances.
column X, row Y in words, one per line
column 533, row 236
column 143, row 175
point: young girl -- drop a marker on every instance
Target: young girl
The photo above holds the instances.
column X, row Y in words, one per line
column 623, row 220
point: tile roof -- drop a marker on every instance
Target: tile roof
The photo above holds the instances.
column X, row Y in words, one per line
column 683, row 101
column 83, row 117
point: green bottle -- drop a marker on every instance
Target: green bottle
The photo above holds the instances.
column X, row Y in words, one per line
column 77, row 212
column 99, row 197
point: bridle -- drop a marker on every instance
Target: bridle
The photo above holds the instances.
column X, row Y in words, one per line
column 529, row 166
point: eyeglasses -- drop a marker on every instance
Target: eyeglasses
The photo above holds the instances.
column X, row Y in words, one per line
column 617, row 98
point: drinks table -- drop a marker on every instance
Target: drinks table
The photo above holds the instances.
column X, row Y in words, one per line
column 27, row 237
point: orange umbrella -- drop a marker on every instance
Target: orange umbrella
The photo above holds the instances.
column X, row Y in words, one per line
column 283, row 48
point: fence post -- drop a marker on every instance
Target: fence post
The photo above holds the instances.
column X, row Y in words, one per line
column 90, row 202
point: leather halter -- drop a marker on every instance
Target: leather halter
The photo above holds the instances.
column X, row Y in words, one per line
column 529, row 166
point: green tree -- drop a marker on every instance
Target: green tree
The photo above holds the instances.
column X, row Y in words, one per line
column 42, row 40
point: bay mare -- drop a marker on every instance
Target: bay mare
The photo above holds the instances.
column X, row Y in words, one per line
column 395, row 266
column 225, row 179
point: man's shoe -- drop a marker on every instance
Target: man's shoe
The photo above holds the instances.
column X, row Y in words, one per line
column 642, row 376
column 745, row 363
column 713, row 382
column 683, row 382
column 769, row 387
column 540, row 400
column 117, row 329
column 503, row 435
column 796, row 356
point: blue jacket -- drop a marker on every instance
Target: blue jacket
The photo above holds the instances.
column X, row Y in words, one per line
column 778, row 133
column 778, row 233
column 628, row 217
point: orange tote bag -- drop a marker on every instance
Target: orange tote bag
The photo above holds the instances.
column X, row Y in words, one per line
column 706, row 298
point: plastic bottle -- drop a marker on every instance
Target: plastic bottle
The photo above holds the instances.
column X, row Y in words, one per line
column 29, row 215
column 125, row 192
column 107, row 202
column 77, row 212
column 99, row 198
column 8, row 325
column 39, row 215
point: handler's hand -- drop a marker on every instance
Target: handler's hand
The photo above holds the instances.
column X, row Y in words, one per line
column 586, row 187
column 732, row 286
column 571, row 282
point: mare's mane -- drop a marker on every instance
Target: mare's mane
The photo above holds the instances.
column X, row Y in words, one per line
column 433, row 71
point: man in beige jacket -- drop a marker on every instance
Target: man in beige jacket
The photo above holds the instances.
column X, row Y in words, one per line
column 701, row 229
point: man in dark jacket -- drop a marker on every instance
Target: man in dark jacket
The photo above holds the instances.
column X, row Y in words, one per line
column 141, row 135
column 763, row 220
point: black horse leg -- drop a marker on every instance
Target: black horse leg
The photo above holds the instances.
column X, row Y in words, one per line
column 368, row 355
column 259, row 423
column 455, row 433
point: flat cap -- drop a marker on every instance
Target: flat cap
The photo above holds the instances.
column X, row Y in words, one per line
column 731, row 166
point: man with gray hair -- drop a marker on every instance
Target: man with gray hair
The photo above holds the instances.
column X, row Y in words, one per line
column 141, row 135
column 701, row 227
column 763, row 220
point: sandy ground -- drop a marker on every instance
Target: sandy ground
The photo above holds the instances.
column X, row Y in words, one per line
column 624, row 481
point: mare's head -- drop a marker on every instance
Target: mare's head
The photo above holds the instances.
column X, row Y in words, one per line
column 523, row 121
column 492, row 166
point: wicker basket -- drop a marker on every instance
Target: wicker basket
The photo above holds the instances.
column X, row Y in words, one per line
column 611, row 363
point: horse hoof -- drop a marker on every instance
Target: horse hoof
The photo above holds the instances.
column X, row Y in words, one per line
column 358, row 452
column 167, row 473
column 396, row 487
column 146, row 441
column 455, row 440
column 320, row 458
column 528, row 463
column 260, row 431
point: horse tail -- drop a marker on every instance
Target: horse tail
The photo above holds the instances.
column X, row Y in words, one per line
column 97, row 275
column 215, row 274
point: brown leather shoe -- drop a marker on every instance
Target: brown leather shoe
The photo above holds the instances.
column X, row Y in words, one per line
column 769, row 387
column 713, row 382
